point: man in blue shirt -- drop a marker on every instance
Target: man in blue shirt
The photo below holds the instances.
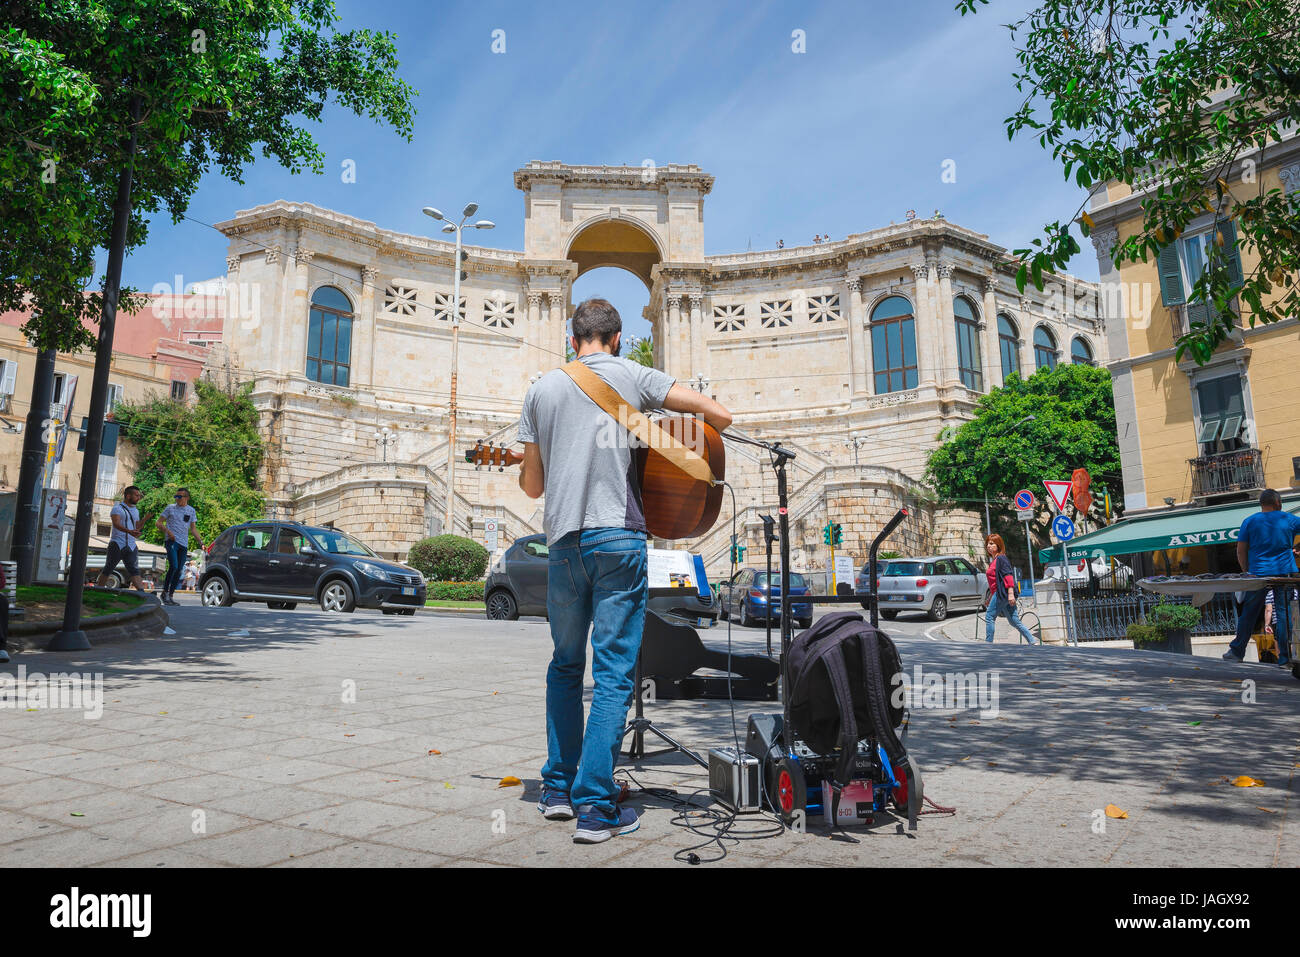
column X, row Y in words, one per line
column 1264, row 547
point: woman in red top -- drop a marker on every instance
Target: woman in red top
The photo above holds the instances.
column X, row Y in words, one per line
column 1001, row 597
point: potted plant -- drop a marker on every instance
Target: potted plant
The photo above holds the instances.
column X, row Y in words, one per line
column 1168, row 628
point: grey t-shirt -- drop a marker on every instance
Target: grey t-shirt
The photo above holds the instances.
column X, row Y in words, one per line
column 130, row 518
column 590, row 480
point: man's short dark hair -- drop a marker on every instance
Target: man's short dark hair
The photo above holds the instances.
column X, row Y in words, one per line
column 596, row 319
column 130, row 488
column 1270, row 498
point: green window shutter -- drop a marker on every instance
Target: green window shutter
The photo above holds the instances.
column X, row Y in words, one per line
column 1197, row 312
column 1230, row 252
column 1171, row 276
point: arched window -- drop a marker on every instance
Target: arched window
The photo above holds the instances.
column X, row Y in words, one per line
column 1044, row 349
column 1080, row 352
column 968, row 344
column 893, row 345
column 1009, row 346
column 329, row 337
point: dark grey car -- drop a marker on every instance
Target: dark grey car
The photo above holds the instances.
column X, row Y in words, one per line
column 516, row 585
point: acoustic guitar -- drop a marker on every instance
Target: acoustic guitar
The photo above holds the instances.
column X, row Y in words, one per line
column 676, row 505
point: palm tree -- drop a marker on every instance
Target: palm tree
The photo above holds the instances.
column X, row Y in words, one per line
column 642, row 351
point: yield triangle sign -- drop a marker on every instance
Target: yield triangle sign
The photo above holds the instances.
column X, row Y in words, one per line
column 1059, row 493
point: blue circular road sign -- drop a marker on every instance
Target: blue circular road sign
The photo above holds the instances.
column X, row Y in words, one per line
column 1063, row 527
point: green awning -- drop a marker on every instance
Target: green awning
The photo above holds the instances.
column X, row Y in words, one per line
column 1180, row 528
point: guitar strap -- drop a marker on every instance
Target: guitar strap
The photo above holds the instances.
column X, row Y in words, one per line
column 639, row 424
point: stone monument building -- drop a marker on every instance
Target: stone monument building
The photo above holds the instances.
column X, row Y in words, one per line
column 854, row 353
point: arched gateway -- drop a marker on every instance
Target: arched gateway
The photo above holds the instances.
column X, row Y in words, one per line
column 796, row 341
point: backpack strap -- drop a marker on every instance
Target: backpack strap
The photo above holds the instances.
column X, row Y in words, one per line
column 874, row 678
column 833, row 657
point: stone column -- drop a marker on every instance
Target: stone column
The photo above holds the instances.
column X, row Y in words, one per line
column 534, row 361
column 674, row 333
column 925, row 344
column 363, row 332
column 859, row 362
column 989, row 340
column 556, row 321
column 299, row 310
column 696, row 333
column 947, row 337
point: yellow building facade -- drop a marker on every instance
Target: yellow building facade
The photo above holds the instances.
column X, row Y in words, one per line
column 1194, row 434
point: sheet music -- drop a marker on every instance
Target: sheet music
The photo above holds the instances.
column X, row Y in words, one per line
column 670, row 568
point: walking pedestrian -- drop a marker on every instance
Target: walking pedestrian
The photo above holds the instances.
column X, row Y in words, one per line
column 176, row 522
column 1001, row 596
column 127, row 525
column 1265, row 546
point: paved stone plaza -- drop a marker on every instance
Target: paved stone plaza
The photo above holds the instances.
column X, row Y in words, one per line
column 230, row 743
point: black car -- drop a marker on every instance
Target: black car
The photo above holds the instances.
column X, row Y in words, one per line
column 516, row 585
column 284, row 563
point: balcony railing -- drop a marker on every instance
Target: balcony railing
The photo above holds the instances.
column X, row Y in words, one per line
column 1226, row 472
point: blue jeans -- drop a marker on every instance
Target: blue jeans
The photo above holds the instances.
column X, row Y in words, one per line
column 1000, row 606
column 175, row 562
column 1249, row 615
column 596, row 577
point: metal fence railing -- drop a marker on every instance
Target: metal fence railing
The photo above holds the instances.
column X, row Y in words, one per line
column 1106, row 615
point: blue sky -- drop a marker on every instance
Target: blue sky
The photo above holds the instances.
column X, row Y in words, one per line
column 842, row 138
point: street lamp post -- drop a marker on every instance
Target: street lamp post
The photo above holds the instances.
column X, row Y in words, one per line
column 458, row 229
column 699, row 383
column 385, row 437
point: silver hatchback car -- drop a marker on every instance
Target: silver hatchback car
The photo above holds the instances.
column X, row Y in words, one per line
column 934, row 585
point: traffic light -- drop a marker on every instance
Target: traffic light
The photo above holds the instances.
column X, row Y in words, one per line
column 836, row 533
column 464, row 258
column 737, row 554
column 826, row 533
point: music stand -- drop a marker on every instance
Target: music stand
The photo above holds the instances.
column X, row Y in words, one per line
column 640, row 724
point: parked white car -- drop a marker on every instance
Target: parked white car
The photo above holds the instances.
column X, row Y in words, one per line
column 1120, row 574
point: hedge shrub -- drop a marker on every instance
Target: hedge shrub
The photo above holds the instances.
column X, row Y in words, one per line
column 456, row 591
column 448, row 558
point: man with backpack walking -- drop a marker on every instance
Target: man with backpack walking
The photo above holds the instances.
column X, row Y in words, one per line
column 1001, row 599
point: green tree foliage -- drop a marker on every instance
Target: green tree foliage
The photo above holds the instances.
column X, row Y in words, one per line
column 642, row 351
column 1117, row 88
column 218, row 80
column 999, row 454
column 449, row 558
column 211, row 447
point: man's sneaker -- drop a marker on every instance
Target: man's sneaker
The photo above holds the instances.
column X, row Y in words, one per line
column 1229, row 656
column 555, row 805
column 596, row 826
column 4, row 657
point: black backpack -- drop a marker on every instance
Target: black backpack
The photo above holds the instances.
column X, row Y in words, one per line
column 840, row 677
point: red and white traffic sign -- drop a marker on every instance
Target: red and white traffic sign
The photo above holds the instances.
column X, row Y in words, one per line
column 1058, row 492
column 1024, row 499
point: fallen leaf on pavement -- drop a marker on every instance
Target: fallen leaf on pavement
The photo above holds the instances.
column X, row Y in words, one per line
column 1194, row 724
column 349, row 735
column 1264, row 809
column 509, row 781
column 448, row 785
column 1245, row 781
column 77, row 814
column 1118, row 814
column 434, row 751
